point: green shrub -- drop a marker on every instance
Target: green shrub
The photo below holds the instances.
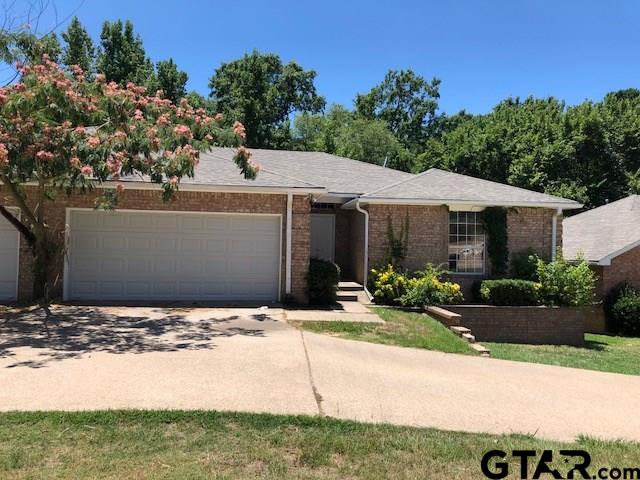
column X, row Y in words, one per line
column 322, row 281
column 524, row 265
column 510, row 292
column 609, row 301
column 476, row 296
column 625, row 312
column 387, row 285
column 566, row 284
column 427, row 288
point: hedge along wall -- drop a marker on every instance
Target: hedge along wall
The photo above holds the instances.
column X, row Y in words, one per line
column 533, row 325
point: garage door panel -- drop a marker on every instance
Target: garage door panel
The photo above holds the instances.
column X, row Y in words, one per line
column 166, row 222
column 215, row 246
column 165, row 256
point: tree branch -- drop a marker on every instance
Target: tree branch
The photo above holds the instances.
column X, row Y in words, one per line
column 22, row 204
column 23, row 229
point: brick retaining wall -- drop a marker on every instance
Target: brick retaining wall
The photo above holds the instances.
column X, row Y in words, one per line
column 533, row 325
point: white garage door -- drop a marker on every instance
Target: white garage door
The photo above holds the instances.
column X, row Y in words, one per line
column 172, row 256
column 9, row 246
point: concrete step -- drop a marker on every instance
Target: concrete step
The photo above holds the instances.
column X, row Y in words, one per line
column 459, row 330
column 350, row 287
column 347, row 296
column 445, row 316
column 482, row 350
column 469, row 338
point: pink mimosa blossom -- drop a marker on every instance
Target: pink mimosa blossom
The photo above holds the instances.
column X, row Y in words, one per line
column 87, row 170
column 4, row 154
column 93, row 142
column 238, row 129
column 44, row 155
column 183, row 131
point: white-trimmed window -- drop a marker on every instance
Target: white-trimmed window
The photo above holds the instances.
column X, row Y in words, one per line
column 466, row 242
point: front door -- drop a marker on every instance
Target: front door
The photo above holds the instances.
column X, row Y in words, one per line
column 323, row 231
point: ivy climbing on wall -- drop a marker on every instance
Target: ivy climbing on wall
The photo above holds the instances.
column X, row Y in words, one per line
column 495, row 227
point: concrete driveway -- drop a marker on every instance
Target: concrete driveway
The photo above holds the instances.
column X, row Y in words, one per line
column 252, row 360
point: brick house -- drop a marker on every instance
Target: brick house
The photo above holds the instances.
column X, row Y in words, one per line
column 608, row 237
column 225, row 238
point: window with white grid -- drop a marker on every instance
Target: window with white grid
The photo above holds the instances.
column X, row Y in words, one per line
column 466, row 242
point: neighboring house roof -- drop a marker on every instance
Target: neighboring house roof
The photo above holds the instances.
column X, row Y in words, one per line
column 441, row 187
column 604, row 232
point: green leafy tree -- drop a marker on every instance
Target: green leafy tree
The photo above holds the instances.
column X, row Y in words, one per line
column 344, row 133
column 61, row 134
column 262, row 92
column 79, row 48
column 539, row 144
column 33, row 48
column 404, row 100
column 170, row 80
column 121, row 55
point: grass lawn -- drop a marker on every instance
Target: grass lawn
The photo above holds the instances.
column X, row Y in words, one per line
column 181, row 445
column 405, row 329
column 601, row 352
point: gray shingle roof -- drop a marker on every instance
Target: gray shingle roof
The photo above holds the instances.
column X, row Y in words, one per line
column 447, row 187
column 337, row 174
column 292, row 169
column 603, row 231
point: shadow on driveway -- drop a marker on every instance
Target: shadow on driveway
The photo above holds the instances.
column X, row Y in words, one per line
column 74, row 331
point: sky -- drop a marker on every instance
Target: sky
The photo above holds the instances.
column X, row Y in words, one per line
column 482, row 51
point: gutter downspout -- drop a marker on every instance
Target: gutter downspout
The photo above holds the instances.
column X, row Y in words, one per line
column 365, row 260
column 554, row 233
column 287, row 287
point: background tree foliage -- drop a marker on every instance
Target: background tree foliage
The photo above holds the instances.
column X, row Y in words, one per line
column 171, row 80
column 79, row 48
column 589, row 152
column 406, row 101
column 345, row 133
column 121, row 55
column 262, row 92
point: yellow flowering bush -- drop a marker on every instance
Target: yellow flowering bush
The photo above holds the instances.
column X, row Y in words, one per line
column 425, row 287
column 388, row 285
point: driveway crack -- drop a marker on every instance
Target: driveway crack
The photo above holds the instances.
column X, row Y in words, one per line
column 314, row 389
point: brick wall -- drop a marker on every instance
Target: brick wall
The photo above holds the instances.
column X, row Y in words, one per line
column 185, row 201
column 623, row 268
column 533, row 325
column 428, row 233
column 532, row 228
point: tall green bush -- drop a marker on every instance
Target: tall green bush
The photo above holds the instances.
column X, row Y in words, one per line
column 566, row 284
column 626, row 312
column 524, row 265
column 322, row 281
